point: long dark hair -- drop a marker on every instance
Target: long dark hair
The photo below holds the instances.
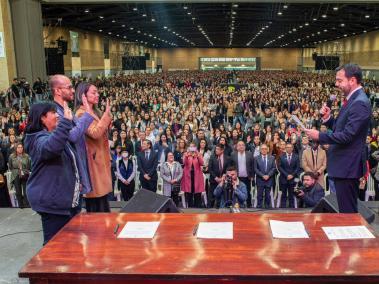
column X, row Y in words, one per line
column 82, row 88
column 34, row 118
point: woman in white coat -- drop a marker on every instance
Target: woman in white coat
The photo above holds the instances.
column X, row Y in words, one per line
column 171, row 174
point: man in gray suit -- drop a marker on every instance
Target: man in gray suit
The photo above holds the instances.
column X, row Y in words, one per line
column 265, row 169
column 244, row 162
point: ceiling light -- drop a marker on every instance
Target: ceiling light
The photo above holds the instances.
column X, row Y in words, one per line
column 345, row 35
column 342, row 25
column 325, row 31
column 189, row 13
column 335, row 8
column 285, row 6
column 101, row 17
column 307, row 24
column 86, row 11
column 324, row 16
column 279, row 13
column 365, row 31
column 143, row 15
column 109, row 33
column 153, row 20
column 124, row 36
column 100, row 30
column 113, row 21
column 367, row 16
column 139, row 32
column 123, row 26
column 135, row 9
column 314, row 19
column 185, row 7
column 193, row 18
column 118, row 35
column 131, row 28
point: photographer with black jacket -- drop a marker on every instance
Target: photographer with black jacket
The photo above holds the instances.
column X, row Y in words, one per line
column 231, row 190
column 311, row 192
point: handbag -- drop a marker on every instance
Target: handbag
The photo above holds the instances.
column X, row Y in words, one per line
column 175, row 188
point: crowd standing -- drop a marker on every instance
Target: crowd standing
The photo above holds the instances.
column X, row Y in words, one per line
column 185, row 128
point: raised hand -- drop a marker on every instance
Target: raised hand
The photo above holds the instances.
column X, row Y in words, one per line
column 85, row 104
column 67, row 111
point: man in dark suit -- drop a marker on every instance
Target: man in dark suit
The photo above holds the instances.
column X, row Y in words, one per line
column 265, row 168
column 346, row 154
column 218, row 163
column 244, row 162
column 289, row 168
column 147, row 161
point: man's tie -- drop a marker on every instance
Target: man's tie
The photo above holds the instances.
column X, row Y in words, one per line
column 146, row 155
column 265, row 162
column 289, row 159
column 220, row 164
column 344, row 102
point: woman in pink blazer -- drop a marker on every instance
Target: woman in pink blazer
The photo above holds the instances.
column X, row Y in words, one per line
column 193, row 181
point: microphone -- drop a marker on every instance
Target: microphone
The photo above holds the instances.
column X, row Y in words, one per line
column 330, row 101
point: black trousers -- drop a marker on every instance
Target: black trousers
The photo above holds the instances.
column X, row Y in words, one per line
column 263, row 190
column 52, row 223
column 247, row 182
column 287, row 191
column 149, row 184
column 20, row 186
column 347, row 194
column 97, row 204
column 127, row 191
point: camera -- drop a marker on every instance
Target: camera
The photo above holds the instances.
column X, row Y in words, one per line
column 228, row 190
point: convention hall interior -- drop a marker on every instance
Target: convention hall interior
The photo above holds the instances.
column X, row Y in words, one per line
column 147, row 141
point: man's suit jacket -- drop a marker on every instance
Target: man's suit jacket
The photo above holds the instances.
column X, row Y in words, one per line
column 260, row 170
column 213, row 167
column 285, row 168
column 346, row 152
column 249, row 163
column 319, row 166
column 148, row 166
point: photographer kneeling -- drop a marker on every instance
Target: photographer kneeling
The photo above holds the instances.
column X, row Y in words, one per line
column 231, row 190
column 311, row 192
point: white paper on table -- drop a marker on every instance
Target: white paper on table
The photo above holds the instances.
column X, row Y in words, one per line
column 215, row 230
column 138, row 230
column 288, row 230
column 347, row 233
column 297, row 121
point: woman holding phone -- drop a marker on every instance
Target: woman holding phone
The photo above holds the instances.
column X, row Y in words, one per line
column 193, row 181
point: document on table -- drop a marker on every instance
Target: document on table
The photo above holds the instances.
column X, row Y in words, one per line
column 348, row 233
column 138, row 230
column 215, row 230
column 288, row 230
column 297, row 121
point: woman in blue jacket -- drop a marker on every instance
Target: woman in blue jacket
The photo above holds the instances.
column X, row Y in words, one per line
column 54, row 184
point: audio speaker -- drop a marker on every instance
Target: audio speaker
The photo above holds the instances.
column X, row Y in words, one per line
column 145, row 201
column 62, row 47
column 147, row 56
column 329, row 204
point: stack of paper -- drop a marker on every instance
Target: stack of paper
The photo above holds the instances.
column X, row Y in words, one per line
column 288, row 230
column 139, row 230
column 348, row 233
column 215, row 230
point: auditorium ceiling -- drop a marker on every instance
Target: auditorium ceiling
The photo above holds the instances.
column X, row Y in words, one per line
column 218, row 24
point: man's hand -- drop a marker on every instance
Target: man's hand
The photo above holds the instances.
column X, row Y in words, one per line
column 67, row 111
column 325, row 112
column 312, row 134
column 126, row 182
column 146, row 176
column 266, row 177
column 289, row 177
column 301, row 193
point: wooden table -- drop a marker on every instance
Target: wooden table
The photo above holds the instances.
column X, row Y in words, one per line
column 87, row 251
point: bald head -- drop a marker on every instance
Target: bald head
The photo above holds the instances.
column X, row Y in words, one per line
column 61, row 88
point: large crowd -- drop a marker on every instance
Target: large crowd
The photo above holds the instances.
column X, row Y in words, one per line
column 186, row 132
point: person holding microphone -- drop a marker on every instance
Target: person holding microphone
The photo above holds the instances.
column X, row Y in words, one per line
column 346, row 154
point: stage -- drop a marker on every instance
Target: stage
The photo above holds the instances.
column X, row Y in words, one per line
column 17, row 249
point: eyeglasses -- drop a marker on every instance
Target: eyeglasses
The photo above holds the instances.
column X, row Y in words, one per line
column 67, row 87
